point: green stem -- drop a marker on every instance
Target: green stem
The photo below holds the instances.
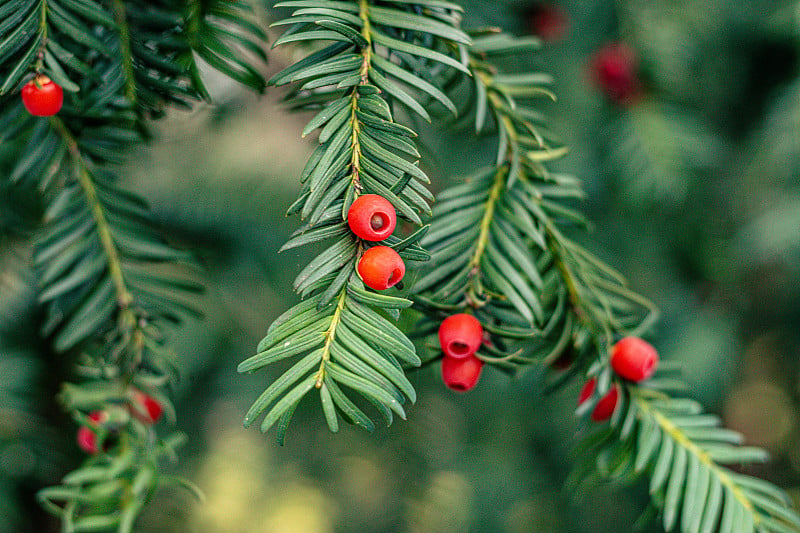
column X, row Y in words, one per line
column 124, row 297
column 366, row 64
column 43, row 32
column 355, row 165
column 495, row 193
column 330, row 334
column 125, row 50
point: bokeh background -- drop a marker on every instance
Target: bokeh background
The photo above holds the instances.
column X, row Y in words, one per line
column 694, row 191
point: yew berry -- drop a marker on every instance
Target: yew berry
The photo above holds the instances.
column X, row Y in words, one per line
column 145, row 407
column 42, row 97
column 460, row 335
column 605, row 406
column 381, row 267
column 461, row 374
column 372, row 217
column 614, row 69
column 547, row 21
column 87, row 435
column 634, row 359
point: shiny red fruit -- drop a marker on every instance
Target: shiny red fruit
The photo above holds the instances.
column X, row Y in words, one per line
column 42, row 97
column 87, row 436
column 145, row 407
column 605, row 406
column 614, row 69
column 460, row 335
column 372, row 217
column 381, row 267
column 461, row 374
column 634, row 359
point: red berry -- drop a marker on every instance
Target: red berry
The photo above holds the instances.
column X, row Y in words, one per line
column 461, row 374
column 87, row 440
column 98, row 417
column 145, row 407
column 42, row 97
column 614, row 69
column 605, row 406
column 460, row 335
column 547, row 21
column 372, row 217
column 87, row 436
column 634, row 359
column 381, row 267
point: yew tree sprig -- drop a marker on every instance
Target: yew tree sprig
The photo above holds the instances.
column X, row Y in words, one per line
column 340, row 331
column 652, row 429
column 497, row 240
column 110, row 284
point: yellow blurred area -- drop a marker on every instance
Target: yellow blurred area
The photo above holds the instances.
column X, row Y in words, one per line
column 245, row 493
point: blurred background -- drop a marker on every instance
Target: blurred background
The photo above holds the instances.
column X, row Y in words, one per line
column 693, row 180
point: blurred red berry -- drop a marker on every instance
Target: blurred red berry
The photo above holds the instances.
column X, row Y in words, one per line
column 87, row 435
column 549, row 22
column 381, row 267
column 145, row 407
column 372, row 217
column 461, row 374
column 634, row 359
column 605, row 406
column 42, row 97
column 614, row 70
column 460, row 335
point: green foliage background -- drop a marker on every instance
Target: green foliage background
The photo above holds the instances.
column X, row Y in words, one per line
column 695, row 196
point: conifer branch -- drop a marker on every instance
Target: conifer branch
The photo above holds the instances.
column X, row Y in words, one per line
column 105, row 301
column 671, row 438
column 362, row 149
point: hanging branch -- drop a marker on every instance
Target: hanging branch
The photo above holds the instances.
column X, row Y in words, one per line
column 508, row 262
column 111, row 285
column 340, row 331
column 497, row 244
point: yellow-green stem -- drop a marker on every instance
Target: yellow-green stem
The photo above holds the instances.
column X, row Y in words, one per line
column 488, row 214
column 330, row 334
column 124, row 297
column 366, row 54
column 43, row 32
column 688, row 444
column 355, row 165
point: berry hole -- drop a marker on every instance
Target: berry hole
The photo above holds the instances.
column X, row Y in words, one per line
column 395, row 277
column 458, row 386
column 459, row 348
column 378, row 221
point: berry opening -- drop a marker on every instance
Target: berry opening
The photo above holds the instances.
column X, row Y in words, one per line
column 394, row 277
column 379, row 221
column 649, row 365
column 458, row 348
column 458, row 387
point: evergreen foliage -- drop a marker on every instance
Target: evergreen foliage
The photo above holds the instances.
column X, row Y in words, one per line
column 341, row 328
column 110, row 284
column 498, row 244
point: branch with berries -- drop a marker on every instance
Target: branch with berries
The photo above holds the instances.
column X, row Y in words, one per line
column 499, row 279
column 361, row 178
column 644, row 427
column 505, row 285
column 81, row 80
